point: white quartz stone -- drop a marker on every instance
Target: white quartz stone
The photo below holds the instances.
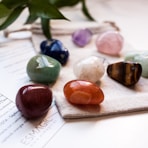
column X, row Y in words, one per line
column 90, row 69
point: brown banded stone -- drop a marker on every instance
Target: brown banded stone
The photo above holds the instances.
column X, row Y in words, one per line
column 126, row 73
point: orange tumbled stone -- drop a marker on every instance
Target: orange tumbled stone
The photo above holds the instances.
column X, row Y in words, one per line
column 83, row 92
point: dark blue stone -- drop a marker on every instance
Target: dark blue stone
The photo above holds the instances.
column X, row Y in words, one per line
column 55, row 49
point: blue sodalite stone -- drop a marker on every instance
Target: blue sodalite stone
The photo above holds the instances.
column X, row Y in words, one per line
column 55, row 49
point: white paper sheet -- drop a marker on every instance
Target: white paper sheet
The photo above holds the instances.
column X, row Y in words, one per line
column 14, row 128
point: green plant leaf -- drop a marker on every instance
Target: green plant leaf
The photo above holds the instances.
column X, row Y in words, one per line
column 64, row 3
column 4, row 11
column 44, row 10
column 11, row 18
column 11, row 4
column 45, row 23
column 86, row 12
column 31, row 19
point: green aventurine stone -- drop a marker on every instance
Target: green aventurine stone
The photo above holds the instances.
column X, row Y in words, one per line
column 131, row 56
column 141, row 58
column 43, row 69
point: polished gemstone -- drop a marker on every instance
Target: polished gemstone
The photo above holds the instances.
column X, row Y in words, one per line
column 89, row 69
column 81, row 37
column 126, row 73
column 110, row 43
column 43, row 69
column 130, row 56
column 34, row 100
column 141, row 58
column 55, row 49
column 83, row 92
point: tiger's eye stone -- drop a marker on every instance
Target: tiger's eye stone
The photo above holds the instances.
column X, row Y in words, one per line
column 89, row 69
column 126, row 73
column 43, row 69
column 33, row 100
column 109, row 43
column 83, row 92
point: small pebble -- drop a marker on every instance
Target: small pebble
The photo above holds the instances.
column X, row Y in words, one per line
column 126, row 73
column 43, row 69
column 141, row 58
column 81, row 37
column 34, row 100
column 110, row 43
column 83, row 92
column 90, row 69
column 55, row 49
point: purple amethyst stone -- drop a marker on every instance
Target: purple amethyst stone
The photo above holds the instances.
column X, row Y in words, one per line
column 82, row 37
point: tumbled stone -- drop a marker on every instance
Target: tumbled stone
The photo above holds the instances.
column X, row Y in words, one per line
column 34, row 100
column 83, row 92
column 55, row 49
column 141, row 58
column 89, row 69
column 43, row 69
column 126, row 73
column 130, row 56
column 110, row 43
column 81, row 37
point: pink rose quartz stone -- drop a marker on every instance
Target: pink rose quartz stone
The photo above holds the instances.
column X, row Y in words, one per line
column 110, row 43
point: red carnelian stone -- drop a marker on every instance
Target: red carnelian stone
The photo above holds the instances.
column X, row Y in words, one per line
column 83, row 92
column 33, row 100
